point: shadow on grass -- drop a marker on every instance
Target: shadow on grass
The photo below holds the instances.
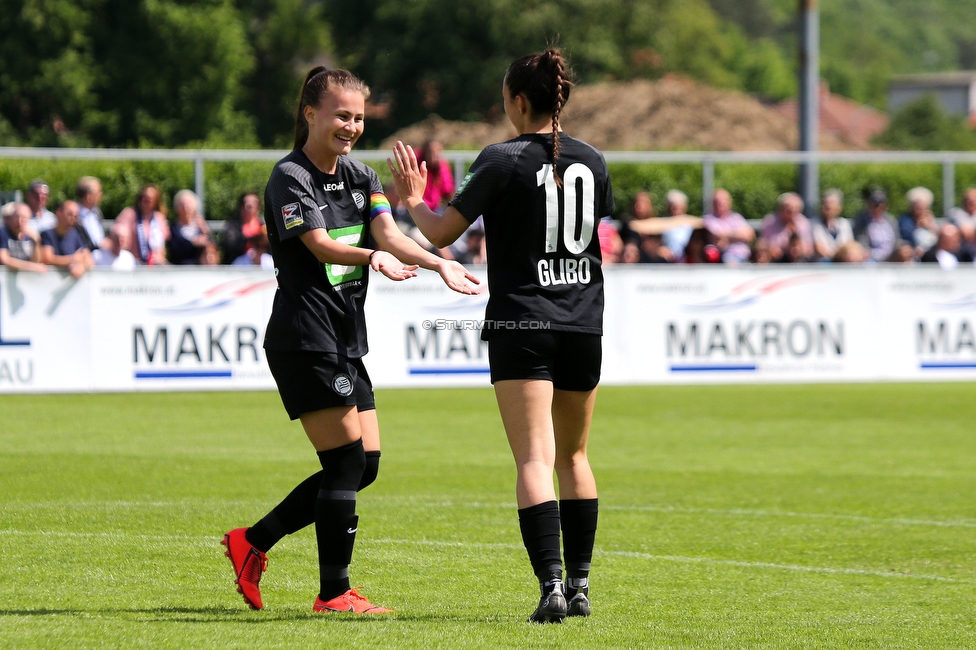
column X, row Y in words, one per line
column 237, row 615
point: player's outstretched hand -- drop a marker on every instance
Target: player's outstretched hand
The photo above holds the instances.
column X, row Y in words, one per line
column 391, row 267
column 459, row 278
column 409, row 177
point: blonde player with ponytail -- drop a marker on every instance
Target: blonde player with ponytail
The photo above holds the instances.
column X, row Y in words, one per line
column 542, row 195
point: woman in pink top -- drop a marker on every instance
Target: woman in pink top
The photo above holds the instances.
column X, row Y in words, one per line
column 440, row 177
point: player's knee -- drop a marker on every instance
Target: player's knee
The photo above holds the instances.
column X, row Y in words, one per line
column 372, row 469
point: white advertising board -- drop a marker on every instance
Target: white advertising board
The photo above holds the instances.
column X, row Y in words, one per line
column 202, row 329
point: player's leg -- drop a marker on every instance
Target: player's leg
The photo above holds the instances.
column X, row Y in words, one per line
column 297, row 510
column 572, row 412
column 337, row 437
column 577, row 373
column 368, row 424
column 525, row 406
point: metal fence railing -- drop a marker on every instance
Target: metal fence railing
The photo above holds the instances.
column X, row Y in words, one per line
column 461, row 159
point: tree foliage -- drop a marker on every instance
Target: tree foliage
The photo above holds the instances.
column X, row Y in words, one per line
column 152, row 72
column 449, row 57
column 226, row 72
column 923, row 125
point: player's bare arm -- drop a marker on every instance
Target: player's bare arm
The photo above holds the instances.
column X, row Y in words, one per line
column 410, row 178
column 389, row 238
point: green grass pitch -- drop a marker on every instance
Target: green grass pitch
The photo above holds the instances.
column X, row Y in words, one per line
column 731, row 517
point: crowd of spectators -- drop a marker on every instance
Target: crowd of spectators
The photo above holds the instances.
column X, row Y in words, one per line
column 788, row 235
column 76, row 236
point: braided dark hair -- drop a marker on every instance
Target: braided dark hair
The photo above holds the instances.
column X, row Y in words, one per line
column 545, row 80
column 319, row 81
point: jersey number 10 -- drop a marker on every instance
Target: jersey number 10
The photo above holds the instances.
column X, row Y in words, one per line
column 572, row 221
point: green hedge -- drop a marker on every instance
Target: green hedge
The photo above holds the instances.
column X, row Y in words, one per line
column 754, row 187
column 121, row 180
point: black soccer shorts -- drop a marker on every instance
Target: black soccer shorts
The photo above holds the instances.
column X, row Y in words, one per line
column 570, row 360
column 311, row 381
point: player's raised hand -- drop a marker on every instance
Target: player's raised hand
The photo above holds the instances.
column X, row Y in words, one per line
column 409, row 176
column 458, row 278
column 391, row 267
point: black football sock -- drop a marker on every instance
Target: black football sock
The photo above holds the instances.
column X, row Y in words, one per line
column 372, row 469
column 295, row 511
column 335, row 515
column 540, row 534
column 578, row 518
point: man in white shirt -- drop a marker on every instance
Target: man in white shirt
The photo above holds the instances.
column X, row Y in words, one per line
column 41, row 218
column 88, row 192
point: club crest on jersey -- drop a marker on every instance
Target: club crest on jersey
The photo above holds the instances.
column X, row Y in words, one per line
column 334, row 187
column 342, row 384
column 359, row 198
column 292, row 215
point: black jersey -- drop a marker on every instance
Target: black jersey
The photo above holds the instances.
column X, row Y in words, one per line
column 542, row 245
column 318, row 306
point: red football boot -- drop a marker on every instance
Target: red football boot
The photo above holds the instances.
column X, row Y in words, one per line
column 348, row 602
column 249, row 563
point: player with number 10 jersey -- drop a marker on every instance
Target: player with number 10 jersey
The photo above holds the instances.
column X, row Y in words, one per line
column 542, row 239
column 541, row 196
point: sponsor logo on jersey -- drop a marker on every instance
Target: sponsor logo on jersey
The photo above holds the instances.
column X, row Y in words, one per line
column 467, row 177
column 334, row 187
column 342, row 384
column 292, row 215
column 360, row 199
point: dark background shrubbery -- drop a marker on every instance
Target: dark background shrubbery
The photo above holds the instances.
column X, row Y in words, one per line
column 754, row 187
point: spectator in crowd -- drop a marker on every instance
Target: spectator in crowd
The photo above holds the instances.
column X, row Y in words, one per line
column 63, row 246
column 796, row 251
column 948, row 250
column 875, row 228
column 641, row 208
column 114, row 252
column 851, row 253
column 729, row 230
column 20, row 247
column 917, row 226
column 641, row 234
column 190, row 241
column 88, row 192
column 477, row 251
column 964, row 216
column 244, row 224
column 680, row 223
column 400, row 213
column 832, row 231
column 440, row 176
column 258, row 253
column 700, row 249
column 761, row 253
column 469, row 245
column 780, row 226
column 611, row 243
column 147, row 230
column 631, row 252
column 41, row 219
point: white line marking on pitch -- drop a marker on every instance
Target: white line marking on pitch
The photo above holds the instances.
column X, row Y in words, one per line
column 798, row 515
column 692, row 560
column 731, row 512
column 213, row 539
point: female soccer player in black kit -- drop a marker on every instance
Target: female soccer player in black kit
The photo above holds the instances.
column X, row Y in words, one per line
column 542, row 196
column 323, row 212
